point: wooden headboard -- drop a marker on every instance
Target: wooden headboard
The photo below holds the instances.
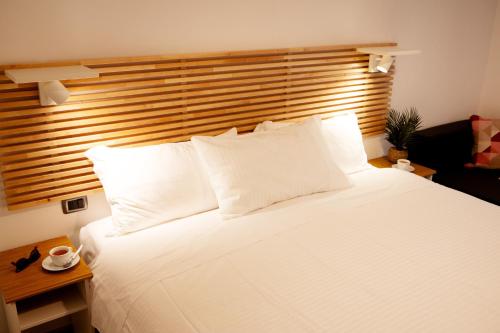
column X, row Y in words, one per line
column 155, row 99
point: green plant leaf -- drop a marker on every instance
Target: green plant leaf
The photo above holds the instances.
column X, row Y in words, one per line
column 401, row 125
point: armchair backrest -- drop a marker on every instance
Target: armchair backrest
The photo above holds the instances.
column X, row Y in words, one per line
column 443, row 147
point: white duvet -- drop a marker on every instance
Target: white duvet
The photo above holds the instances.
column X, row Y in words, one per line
column 395, row 253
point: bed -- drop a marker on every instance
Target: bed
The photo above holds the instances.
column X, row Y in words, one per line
column 393, row 253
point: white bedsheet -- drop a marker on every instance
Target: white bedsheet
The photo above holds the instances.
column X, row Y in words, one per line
column 95, row 236
column 395, row 253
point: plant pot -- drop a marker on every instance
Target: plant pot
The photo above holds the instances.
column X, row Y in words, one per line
column 394, row 154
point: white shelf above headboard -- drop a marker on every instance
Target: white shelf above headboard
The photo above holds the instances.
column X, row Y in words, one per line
column 46, row 74
column 387, row 51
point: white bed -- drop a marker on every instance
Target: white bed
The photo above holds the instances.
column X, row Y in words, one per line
column 394, row 253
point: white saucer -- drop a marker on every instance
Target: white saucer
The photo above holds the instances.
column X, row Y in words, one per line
column 409, row 169
column 49, row 265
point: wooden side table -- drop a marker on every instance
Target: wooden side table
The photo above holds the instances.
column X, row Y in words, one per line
column 420, row 170
column 36, row 297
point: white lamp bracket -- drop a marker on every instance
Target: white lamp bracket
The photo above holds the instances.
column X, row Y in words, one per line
column 381, row 58
column 51, row 90
column 52, row 93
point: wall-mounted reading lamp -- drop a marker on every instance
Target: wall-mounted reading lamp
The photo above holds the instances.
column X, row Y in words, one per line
column 51, row 90
column 381, row 58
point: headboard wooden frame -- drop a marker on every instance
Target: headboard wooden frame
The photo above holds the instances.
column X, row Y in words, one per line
column 156, row 99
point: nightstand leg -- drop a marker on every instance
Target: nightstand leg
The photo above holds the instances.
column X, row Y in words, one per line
column 81, row 320
column 11, row 317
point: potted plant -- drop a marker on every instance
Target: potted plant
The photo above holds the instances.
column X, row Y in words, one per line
column 399, row 130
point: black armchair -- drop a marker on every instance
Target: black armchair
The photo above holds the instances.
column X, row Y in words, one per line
column 447, row 148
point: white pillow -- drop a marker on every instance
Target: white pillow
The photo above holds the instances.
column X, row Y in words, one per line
column 153, row 184
column 254, row 171
column 343, row 137
column 269, row 125
column 345, row 141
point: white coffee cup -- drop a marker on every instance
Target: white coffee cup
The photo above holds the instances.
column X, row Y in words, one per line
column 60, row 255
column 404, row 164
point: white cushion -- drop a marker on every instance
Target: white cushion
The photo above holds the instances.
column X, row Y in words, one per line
column 153, row 184
column 269, row 125
column 254, row 171
column 343, row 137
column 345, row 141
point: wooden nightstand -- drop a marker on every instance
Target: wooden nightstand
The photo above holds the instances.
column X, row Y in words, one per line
column 42, row 299
column 420, row 170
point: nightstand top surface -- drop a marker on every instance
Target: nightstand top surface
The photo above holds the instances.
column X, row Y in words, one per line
column 35, row 280
column 420, row 170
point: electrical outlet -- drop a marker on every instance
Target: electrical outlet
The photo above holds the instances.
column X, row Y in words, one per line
column 74, row 204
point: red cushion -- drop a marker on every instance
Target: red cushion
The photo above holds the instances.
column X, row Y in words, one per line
column 486, row 142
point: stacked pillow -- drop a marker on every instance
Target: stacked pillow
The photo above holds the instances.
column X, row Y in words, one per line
column 256, row 170
column 149, row 185
column 343, row 137
column 486, row 142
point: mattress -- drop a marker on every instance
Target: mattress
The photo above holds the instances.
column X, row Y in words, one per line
column 394, row 253
column 94, row 236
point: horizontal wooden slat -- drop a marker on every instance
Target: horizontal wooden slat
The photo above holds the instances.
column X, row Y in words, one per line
column 126, row 135
column 52, row 192
column 25, row 176
column 67, row 195
column 159, row 99
column 133, row 85
column 12, row 192
column 198, row 74
column 95, row 100
column 26, row 172
column 147, row 126
column 168, row 93
column 362, row 112
column 151, row 136
column 339, row 75
column 13, row 117
column 220, row 62
column 12, row 127
column 46, row 177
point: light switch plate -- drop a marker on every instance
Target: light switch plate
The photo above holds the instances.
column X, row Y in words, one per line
column 74, row 204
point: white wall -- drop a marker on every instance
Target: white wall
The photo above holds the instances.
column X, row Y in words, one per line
column 443, row 82
column 490, row 96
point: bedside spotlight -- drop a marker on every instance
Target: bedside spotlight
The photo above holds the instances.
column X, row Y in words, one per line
column 51, row 90
column 381, row 58
column 52, row 93
column 385, row 63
